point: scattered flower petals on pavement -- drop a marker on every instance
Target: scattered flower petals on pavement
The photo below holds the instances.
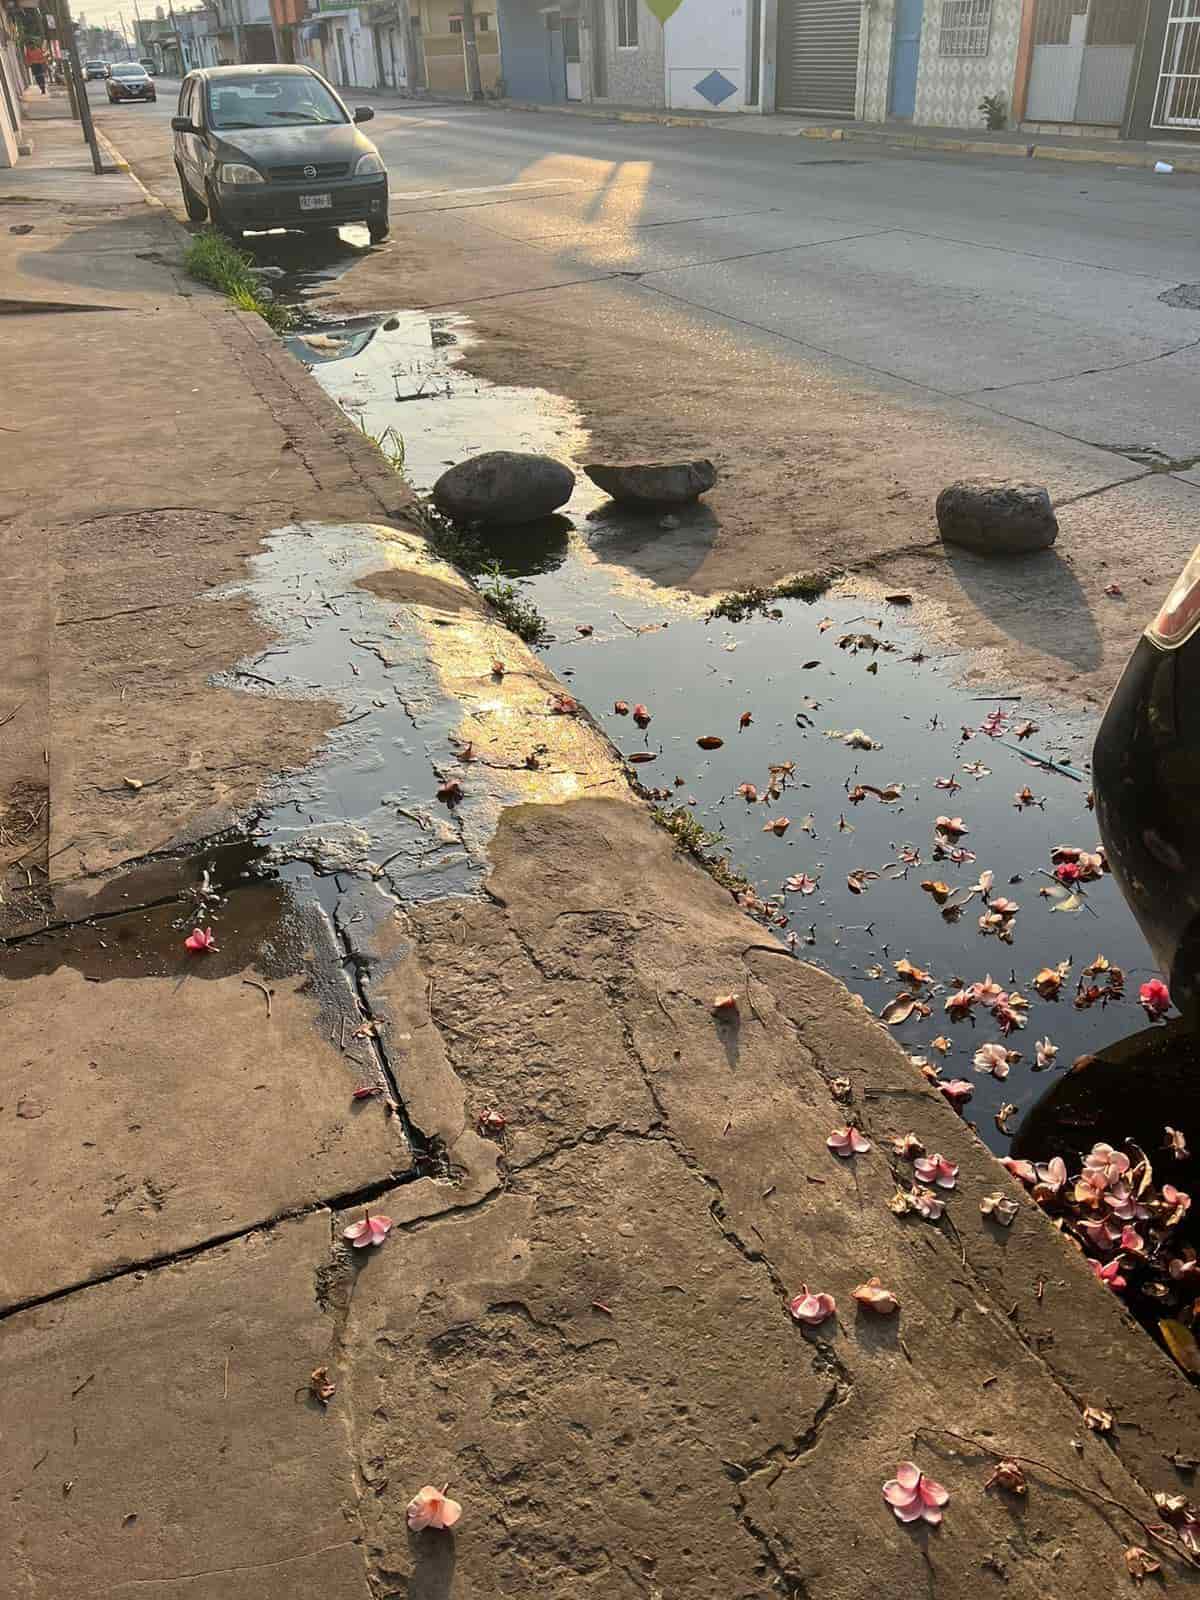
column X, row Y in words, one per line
column 812, row 1309
column 872, row 1296
column 1000, row 1207
column 847, row 1142
column 914, row 1497
column 368, row 1230
column 936, row 1169
column 200, row 940
column 432, row 1508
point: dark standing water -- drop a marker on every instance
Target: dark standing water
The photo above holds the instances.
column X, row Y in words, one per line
column 801, row 686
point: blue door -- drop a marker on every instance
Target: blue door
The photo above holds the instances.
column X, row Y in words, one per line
column 556, row 63
column 906, row 51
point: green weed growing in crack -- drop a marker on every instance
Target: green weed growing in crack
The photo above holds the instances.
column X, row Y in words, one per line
column 466, row 551
column 213, row 260
column 691, row 836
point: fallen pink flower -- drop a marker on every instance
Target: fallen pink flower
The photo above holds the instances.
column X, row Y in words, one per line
column 958, row 1091
column 988, row 991
column 1067, row 872
column 907, row 1145
column 847, row 1142
column 924, row 1201
column 366, row 1091
column 952, row 827
column 812, row 1308
column 959, row 1004
column 960, row 856
column 642, row 716
column 1175, row 1198
column 1045, row 1052
column 1155, row 999
column 200, row 940
column 369, row 1230
column 1122, row 1202
column 950, row 784
column 1052, row 1175
column 914, row 1497
column 992, row 1058
column 1025, row 1170
column 432, row 1508
column 800, row 883
column 1176, row 1143
column 936, row 1169
column 1185, row 1269
column 1131, row 1239
column 872, row 1296
column 1099, row 1235
column 1104, row 1163
column 1109, row 1274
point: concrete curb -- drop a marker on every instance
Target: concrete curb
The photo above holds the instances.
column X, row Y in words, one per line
column 1108, row 155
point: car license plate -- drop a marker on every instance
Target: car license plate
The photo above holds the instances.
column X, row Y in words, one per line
column 316, row 202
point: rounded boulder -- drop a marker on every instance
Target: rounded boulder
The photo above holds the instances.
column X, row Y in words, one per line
column 503, row 486
column 655, row 483
column 997, row 519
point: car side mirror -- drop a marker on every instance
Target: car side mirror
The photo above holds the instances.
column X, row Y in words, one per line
column 363, row 113
column 183, row 125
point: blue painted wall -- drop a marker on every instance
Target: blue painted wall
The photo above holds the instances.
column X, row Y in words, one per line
column 524, row 57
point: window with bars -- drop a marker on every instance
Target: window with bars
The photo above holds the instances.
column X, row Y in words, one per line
column 627, row 24
column 965, row 28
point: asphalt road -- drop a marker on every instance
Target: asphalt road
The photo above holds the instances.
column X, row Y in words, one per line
column 1033, row 290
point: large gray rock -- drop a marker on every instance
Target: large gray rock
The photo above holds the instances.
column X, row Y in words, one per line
column 997, row 519
column 655, row 483
column 503, row 486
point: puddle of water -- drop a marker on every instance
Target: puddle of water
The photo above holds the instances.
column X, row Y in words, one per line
column 698, row 676
column 367, row 807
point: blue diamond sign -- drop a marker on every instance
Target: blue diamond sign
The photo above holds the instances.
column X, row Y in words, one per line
column 715, row 87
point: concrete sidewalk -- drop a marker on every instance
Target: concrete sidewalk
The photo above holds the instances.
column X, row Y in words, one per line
column 580, row 1322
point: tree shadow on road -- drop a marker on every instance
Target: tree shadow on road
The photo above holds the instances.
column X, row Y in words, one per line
column 1036, row 600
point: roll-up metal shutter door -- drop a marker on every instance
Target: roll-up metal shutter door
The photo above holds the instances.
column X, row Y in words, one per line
column 818, row 56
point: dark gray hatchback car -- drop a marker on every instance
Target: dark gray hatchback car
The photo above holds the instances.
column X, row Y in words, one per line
column 275, row 147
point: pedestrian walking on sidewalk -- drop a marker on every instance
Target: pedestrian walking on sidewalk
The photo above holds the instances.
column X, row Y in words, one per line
column 35, row 60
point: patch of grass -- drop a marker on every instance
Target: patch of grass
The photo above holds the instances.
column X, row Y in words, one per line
column 743, row 603
column 213, row 260
column 390, row 444
column 506, row 600
column 691, row 835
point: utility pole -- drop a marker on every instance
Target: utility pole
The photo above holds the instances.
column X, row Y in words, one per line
column 471, row 51
column 66, row 34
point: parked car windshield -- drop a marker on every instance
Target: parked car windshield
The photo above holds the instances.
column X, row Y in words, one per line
column 128, row 69
column 262, row 101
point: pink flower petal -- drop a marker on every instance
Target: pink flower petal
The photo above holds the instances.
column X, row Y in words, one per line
column 896, row 1494
column 908, row 1475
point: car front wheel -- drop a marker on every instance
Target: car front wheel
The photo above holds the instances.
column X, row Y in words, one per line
column 220, row 222
column 192, row 203
column 378, row 231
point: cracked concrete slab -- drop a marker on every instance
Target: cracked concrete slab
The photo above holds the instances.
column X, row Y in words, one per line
column 152, row 1104
column 165, row 1443
column 578, row 1384
column 652, row 1154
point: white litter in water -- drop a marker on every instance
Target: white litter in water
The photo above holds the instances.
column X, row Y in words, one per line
column 1163, row 166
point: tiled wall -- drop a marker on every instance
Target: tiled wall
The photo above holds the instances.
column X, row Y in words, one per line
column 636, row 77
column 949, row 88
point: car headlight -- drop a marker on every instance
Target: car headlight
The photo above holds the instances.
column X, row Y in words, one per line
column 368, row 164
column 238, row 172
